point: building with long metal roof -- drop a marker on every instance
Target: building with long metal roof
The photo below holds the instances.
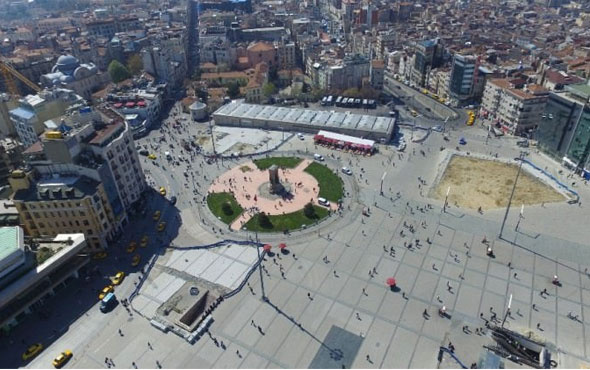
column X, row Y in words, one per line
column 268, row 117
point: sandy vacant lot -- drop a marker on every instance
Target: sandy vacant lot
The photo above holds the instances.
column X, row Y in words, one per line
column 487, row 184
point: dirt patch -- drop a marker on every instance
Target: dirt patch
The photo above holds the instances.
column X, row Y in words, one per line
column 240, row 148
column 487, row 184
column 201, row 140
column 245, row 169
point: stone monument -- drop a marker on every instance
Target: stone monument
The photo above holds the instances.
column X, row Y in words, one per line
column 275, row 184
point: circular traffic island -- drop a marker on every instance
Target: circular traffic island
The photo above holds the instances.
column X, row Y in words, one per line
column 275, row 194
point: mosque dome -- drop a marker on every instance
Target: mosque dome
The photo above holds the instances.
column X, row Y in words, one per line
column 67, row 63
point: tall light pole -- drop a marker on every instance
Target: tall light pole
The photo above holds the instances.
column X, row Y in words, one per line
column 446, row 200
column 520, row 216
column 382, row 178
column 521, row 158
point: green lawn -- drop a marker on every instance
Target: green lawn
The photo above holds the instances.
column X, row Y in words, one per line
column 286, row 162
column 330, row 184
column 289, row 221
column 216, row 200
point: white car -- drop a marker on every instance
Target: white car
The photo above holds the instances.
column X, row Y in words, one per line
column 346, row 170
column 318, row 157
column 300, row 136
column 324, row 202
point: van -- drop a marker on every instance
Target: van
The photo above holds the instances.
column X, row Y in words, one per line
column 323, row 202
column 324, row 100
column 108, row 302
column 338, row 101
column 318, row 157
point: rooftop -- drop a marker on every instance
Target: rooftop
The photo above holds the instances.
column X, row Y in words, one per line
column 10, row 240
column 59, row 188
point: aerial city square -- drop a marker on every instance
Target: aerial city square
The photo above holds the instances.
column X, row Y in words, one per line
column 294, row 184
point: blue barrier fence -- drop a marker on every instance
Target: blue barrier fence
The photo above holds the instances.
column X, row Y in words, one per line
column 562, row 185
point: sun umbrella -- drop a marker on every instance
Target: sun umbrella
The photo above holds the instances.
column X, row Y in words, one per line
column 267, row 247
column 391, row 282
column 282, row 246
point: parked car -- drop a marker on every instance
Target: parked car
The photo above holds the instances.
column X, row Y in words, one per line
column 323, row 202
column 318, row 157
column 32, row 351
column 346, row 170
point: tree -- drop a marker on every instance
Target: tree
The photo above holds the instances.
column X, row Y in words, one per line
column 264, row 221
column 202, row 94
column 268, row 89
column 233, row 90
column 118, row 72
column 227, row 209
column 309, row 210
column 135, row 64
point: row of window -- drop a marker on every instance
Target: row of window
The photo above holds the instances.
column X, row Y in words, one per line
column 54, row 204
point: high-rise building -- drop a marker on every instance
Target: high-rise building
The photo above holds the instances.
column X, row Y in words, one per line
column 428, row 55
column 463, row 75
column 564, row 129
column 102, row 150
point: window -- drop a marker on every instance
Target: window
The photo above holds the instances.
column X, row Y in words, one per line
column 82, row 213
column 86, row 223
column 89, row 231
column 77, row 223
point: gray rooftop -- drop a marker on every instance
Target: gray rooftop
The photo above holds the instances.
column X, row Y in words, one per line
column 315, row 118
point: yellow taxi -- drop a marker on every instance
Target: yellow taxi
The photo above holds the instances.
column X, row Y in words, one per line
column 118, row 278
column 106, row 290
column 99, row 256
column 62, row 358
column 161, row 226
column 156, row 216
column 135, row 260
column 32, row 351
column 132, row 246
column 151, row 156
column 163, row 191
column 144, row 241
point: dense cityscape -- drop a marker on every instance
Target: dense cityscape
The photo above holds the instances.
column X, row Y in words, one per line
column 294, row 184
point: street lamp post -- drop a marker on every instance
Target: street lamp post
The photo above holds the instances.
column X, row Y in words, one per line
column 446, row 200
column 382, row 179
column 520, row 216
column 521, row 158
column 507, row 310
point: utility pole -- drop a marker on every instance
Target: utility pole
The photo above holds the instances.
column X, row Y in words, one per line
column 521, row 158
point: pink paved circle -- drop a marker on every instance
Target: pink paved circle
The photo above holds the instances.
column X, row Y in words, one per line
column 245, row 184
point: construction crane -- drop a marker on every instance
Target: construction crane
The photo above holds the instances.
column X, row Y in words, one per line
column 9, row 73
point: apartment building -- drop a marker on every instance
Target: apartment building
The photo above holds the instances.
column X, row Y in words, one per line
column 56, row 204
column 107, row 28
column 33, row 110
column 515, row 110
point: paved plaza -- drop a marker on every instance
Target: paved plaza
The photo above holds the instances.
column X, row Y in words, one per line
column 328, row 304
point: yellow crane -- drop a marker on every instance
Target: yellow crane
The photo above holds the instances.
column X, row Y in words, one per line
column 9, row 73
